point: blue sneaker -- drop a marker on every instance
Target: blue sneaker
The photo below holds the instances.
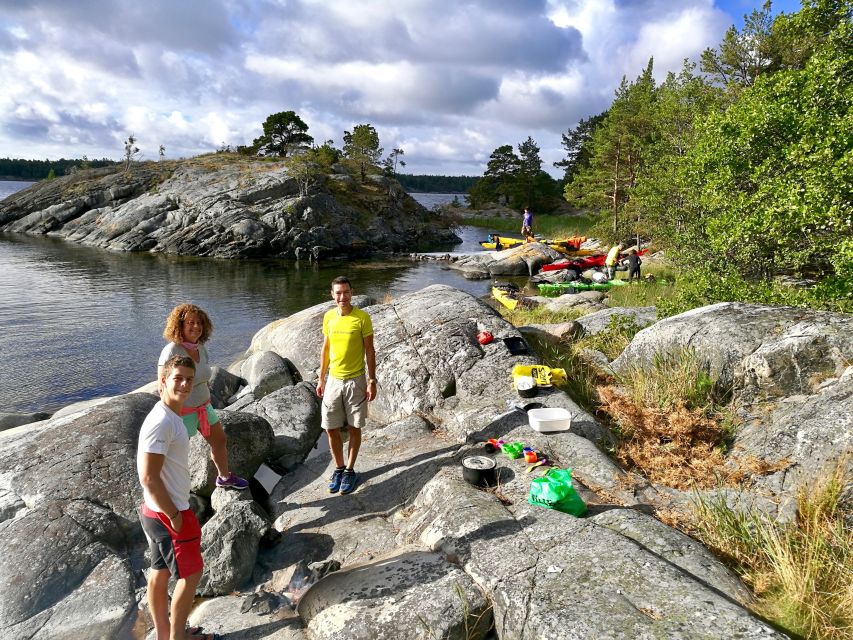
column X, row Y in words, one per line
column 350, row 480
column 335, row 480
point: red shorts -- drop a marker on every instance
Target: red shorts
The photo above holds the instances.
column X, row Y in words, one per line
column 179, row 552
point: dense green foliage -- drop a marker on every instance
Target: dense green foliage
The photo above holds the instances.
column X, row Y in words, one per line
column 39, row 169
column 284, row 133
column 516, row 180
column 361, row 146
column 743, row 174
column 436, row 184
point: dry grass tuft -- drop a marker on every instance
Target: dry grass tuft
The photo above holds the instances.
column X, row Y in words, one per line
column 802, row 572
column 678, row 446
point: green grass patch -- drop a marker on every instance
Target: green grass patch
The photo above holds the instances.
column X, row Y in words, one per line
column 520, row 317
column 800, row 571
column 672, row 380
column 649, row 292
column 613, row 339
column 547, row 226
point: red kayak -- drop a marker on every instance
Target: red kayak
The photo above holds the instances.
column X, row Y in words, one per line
column 582, row 264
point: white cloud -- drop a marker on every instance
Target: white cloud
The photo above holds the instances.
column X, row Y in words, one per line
column 446, row 81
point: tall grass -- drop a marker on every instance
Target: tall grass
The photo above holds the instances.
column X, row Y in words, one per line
column 678, row 378
column 649, row 291
column 801, row 572
column 547, row 226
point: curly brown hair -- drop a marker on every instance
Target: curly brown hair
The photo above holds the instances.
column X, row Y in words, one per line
column 173, row 330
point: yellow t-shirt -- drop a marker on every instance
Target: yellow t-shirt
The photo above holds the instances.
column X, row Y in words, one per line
column 612, row 257
column 346, row 336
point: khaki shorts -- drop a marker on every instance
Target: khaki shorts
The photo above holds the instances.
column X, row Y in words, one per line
column 344, row 403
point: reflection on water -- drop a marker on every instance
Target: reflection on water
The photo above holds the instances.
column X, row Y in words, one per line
column 78, row 322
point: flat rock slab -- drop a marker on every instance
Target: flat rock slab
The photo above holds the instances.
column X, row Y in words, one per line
column 410, row 594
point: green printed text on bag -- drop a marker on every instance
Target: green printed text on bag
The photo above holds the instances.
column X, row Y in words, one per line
column 554, row 490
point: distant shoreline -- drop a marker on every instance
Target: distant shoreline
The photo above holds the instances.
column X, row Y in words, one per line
column 13, row 179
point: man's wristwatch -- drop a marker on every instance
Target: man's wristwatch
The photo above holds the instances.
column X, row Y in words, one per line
column 371, row 381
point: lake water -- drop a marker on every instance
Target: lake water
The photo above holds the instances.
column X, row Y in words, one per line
column 78, row 323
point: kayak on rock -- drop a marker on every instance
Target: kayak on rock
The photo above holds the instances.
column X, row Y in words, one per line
column 563, row 245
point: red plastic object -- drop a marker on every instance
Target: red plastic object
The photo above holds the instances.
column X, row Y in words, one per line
column 484, row 337
column 530, row 456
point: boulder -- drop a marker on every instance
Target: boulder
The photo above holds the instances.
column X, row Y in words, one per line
column 523, row 260
column 265, row 372
column 552, row 333
column 12, row 420
column 597, row 322
column 570, row 577
column 223, row 385
column 73, row 481
column 584, row 302
column 408, row 594
column 787, row 370
column 250, row 441
column 722, row 335
column 225, row 616
column 294, row 414
column 229, row 543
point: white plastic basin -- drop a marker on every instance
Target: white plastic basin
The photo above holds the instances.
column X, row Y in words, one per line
column 549, row 419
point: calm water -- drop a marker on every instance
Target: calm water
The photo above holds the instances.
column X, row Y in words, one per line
column 78, row 322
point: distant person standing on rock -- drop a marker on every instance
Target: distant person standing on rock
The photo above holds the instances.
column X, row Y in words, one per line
column 347, row 344
column 187, row 329
column 527, row 223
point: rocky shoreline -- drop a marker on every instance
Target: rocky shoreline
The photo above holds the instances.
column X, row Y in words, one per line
column 225, row 206
column 422, row 554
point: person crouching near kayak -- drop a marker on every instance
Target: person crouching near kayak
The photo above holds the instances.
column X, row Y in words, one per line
column 187, row 330
column 347, row 344
column 612, row 260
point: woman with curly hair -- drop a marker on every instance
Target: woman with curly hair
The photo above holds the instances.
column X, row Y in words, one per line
column 187, row 329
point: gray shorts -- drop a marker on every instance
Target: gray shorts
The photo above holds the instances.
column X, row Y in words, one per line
column 344, row 403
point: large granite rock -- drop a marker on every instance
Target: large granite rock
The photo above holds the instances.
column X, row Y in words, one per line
column 294, row 414
column 250, row 440
column 550, row 575
column 523, row 260
column 788, row 371
column 428, row 358
column 71, row 493
column 220, row 205
column 229, row 543
column 597, row 322
column 408, row 594
column 12, row 420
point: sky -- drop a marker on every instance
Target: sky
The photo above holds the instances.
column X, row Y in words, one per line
column 446, row 81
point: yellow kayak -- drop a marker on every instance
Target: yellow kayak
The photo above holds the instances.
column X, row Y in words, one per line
column 506, row 243
column 567, row 246
column 504, row 298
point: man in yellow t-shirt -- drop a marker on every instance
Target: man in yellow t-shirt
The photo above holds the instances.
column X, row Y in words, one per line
column 612, row 260
column 347, row 344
